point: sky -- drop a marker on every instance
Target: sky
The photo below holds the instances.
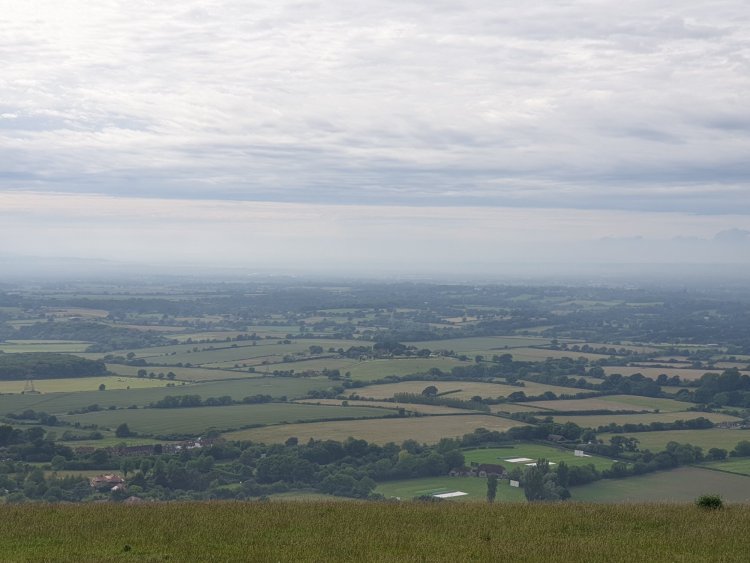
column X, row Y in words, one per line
column 404, row 135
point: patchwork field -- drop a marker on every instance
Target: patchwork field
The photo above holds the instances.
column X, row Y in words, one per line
column 427, row 429
column 199, row 419
column 475, row 487
column 706, row 439
column 614, row 403
column 595, row 421
column 683, row 484
column 532, row 452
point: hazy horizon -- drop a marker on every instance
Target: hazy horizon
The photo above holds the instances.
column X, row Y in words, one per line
column 386, row 138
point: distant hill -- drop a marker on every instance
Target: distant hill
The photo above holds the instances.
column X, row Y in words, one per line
column 47, row 365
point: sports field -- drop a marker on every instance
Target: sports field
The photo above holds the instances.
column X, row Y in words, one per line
column 427, row 429
column 532, row 452
column 683, row 484
column 476, row 487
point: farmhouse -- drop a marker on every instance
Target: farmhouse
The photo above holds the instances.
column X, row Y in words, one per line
column 109, row 482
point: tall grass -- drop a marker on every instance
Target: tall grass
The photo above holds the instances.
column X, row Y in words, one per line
column 352, row 531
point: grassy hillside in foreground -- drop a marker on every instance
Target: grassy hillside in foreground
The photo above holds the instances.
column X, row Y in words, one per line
column 353, row 531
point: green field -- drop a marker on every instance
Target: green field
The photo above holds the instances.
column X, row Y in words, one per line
column 706, row 439
column 73, row 384
column 374, row 532
column 541, row 354
column 199, row 419
column 476, row 487
column 740, row 465
column 61, row 403
column 183, row 374
column 683, row 484
column 423, row 409
column 595, row 421
column 534, row 452
column 377, row 369
column 427, row 429
column 458, row 389
column 482, row 344
column 612, row 402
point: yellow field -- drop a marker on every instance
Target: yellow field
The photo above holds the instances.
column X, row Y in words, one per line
column 69, row 385
column 428, row 429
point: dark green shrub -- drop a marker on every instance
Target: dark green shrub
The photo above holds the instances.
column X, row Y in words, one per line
column 709, row 502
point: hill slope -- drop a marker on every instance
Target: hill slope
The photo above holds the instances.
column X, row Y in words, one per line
column 353, row 531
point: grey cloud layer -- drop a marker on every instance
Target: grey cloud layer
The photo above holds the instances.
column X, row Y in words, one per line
column 589, row 104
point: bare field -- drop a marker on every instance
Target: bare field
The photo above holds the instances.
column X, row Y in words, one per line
column 428, row 429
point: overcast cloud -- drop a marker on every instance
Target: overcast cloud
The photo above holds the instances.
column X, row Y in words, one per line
column 628, row 108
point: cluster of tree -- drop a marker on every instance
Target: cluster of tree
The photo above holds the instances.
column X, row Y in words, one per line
column 444, row 400
column 105, row 337
column 730, row 388
column 187, row 401
column 47, row 365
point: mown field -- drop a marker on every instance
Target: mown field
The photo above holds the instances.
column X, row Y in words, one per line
column 683, row 484
column 199, row 419
column 427, row 429
column 706, row 439
column 476, row 487
column 534, row 452
column 281, row 531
